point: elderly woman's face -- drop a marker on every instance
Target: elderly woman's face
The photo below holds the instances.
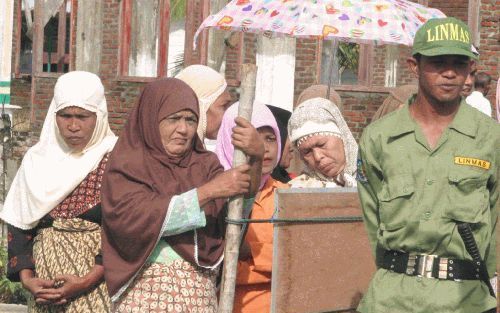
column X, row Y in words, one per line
column 177, row 132
column 287, row 155
column 215, row 113
column 324, row 154
column 76, row 126
column 270, row 149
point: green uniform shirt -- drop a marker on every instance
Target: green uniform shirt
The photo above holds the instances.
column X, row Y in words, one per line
column 412, row 196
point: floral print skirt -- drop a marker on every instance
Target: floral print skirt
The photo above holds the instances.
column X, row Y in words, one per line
column 176, row 287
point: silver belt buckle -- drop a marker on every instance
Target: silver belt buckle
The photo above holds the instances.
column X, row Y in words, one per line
column 443, row 268
column 425, row 264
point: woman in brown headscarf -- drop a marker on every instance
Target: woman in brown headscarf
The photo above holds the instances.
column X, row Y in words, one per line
column 163, row 199
column 397, row 97
column 320, row 91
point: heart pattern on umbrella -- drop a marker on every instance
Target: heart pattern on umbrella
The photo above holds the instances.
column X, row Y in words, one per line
column 381, row 23
column 366, row 21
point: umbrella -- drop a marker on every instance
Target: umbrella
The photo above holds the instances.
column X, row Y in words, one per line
column 360, row 21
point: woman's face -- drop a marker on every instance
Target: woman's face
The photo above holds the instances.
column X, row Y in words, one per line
column 76, row 126
column 287, row 156
column 271, row 149
column 324, row 154
column 215, row 113
column 177, row 132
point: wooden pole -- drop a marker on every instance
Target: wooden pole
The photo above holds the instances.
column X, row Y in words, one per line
column 38, row 26
column 233, row 231
column 333, row 74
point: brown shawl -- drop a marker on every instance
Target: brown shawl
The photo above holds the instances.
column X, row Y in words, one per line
column 140, row 180
column 395, row 100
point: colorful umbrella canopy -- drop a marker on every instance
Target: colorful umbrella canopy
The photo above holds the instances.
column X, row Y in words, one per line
column 361, row 21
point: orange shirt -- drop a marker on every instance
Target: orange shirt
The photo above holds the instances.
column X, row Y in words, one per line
column 253, row 281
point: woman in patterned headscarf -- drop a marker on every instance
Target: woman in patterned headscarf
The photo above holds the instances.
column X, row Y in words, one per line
column 54, row 204
column 325, row 144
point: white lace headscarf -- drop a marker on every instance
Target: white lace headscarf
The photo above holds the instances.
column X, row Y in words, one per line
column 208, row 85
column 51, row 170
column 319, row 116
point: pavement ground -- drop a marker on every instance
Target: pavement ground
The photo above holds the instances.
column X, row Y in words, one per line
column 12, row 308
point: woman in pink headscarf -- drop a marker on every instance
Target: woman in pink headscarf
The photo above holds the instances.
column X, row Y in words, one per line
column 253, row 282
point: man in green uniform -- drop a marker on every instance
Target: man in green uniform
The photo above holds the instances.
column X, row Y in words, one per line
column 424, row 172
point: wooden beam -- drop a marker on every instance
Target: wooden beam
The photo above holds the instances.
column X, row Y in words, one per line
column 203, row 47
column 126, row 17
column 365, row 65
column 17, row 51
column 38, row 35
column 72, row 39
column 319, row 50
column 61, row 37
column 474, row 21
column 163, row 37
column 37, row 54
column 188, row 42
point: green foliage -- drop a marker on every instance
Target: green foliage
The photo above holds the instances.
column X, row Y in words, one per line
column 177, row 9
column 9, row 292
column 348, row 54
column 177, row 65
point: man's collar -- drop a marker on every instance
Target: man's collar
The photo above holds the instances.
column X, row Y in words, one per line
column 462, row 122
column 404, row 123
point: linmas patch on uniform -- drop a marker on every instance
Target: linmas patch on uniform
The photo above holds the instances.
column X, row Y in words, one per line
column 472, row 162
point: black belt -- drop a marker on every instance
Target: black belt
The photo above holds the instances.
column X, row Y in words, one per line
column 430, row 266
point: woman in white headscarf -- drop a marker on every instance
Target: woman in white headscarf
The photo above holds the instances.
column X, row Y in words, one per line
column 213, row 97
column 325, row 144
column 53, row 206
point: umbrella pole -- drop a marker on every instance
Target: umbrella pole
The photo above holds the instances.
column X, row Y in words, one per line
column 332, row 68
column 233, row 231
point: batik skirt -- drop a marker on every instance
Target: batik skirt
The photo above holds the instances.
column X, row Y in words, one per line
column 176, row 287
column 70, row 247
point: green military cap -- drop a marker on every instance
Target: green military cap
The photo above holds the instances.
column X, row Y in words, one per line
column 442, row 36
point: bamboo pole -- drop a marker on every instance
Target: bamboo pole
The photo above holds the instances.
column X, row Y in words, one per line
column 233, row 231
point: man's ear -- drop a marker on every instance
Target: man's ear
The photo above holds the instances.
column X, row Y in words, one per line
column 413, row 65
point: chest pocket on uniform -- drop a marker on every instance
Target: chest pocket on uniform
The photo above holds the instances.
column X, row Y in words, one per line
column 394, row 201
column 467, row 196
